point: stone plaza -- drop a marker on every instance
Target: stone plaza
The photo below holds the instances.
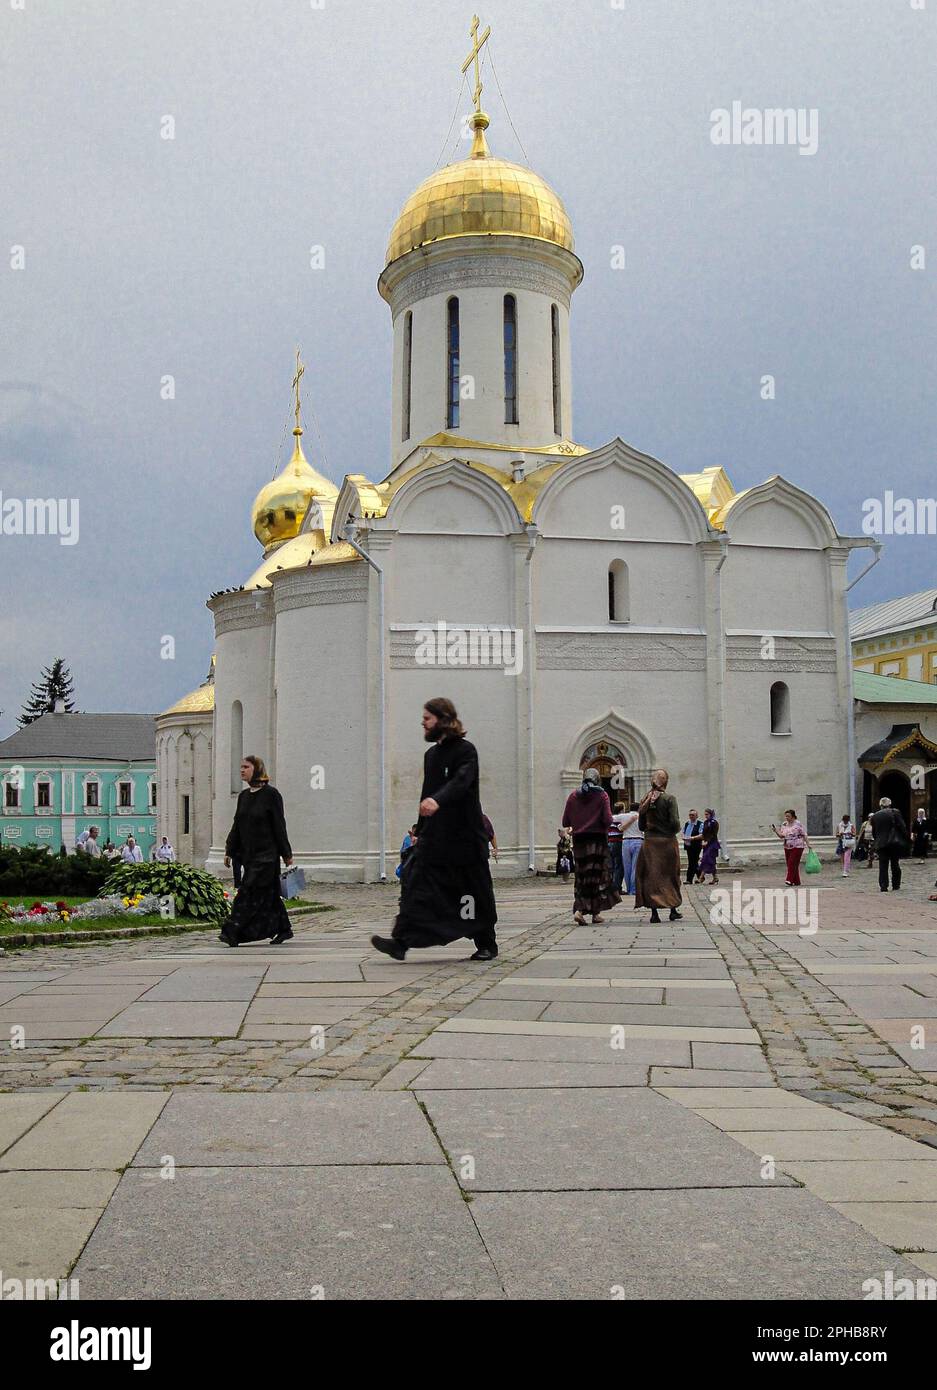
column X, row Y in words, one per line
column 682, row 1111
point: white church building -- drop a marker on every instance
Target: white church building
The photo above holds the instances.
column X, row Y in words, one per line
column 580, row 606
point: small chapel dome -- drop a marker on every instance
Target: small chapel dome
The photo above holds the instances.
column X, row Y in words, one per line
column 280, row 506
column 477, row 196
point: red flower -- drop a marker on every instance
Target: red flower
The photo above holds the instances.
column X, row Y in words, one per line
column 59, row 905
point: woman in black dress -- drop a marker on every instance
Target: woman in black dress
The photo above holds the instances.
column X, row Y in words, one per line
column 258, row 839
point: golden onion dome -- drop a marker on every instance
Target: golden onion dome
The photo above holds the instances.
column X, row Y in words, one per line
column 480, row 195
column 279, row 507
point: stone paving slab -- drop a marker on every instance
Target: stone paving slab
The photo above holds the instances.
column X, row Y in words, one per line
column 866, row 1144
column 87, row 1130
column 516, row 1010
column 279, row 1129
column 658, row 1015
column 472, row 1074
column 44, row 1030
column 348, row 989
column 712, row 1097
column 902, row 1225
column 701, row 1077
column 531, row 1140
column 787, row 1120
column 573, row 992
column 46, row 1218
column 177, row 1021
column 607, row 985
column 205, row 985
column 874, row 1181
column 554, row 1048
column 678, row 1245
column 18, row 1113
column 727, row 1056
column 560, row 1029
column 354, row 1233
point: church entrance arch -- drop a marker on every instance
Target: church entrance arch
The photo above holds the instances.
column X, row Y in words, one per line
column 612, row 766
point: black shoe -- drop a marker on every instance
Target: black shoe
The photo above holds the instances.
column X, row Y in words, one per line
column 675, row 916
column 227, row 940
column 883, row 890
column 654, row 916
column 483, row 954
column 280, row 937
column 388, row 946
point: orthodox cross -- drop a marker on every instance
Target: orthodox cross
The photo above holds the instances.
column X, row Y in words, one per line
column 477, row 44
column 296, row 380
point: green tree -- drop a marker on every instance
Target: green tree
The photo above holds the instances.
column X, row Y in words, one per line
column 55, row 683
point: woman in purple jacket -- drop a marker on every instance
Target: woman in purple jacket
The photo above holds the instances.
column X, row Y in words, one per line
column 587, row 816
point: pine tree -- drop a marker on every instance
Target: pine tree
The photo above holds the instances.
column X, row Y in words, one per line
column 55, row 683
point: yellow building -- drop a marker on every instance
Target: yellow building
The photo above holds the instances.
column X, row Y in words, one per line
column 897, row 638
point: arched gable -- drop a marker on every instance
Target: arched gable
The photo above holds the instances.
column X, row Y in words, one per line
column 657, row 503
column 777, row 513
column 452, row 497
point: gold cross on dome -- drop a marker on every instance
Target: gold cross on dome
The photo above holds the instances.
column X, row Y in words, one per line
column 296, row 380
column 477, row 44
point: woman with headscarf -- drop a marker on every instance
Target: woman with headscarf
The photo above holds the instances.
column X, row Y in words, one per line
column 711, row 847
column 657, row 874
column 587, row 817
column 920, row 835
column 258, row 838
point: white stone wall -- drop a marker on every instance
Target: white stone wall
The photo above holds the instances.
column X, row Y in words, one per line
column 244, row 655
column 184, row 768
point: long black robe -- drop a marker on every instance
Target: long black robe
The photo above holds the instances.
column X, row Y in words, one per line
column 445, row 884
column 259, row 840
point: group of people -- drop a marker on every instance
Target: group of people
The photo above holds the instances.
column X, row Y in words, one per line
column 634, row 848
column 130, row 852
column 446, row 891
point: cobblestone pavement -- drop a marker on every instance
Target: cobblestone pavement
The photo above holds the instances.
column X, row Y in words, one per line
column 848, row 1015
column 528, row 1127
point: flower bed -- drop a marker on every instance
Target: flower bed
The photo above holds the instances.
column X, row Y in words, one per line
column 41, row 914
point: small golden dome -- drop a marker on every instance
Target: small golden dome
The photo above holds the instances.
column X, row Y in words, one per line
column 477, row 196
column 279, row 507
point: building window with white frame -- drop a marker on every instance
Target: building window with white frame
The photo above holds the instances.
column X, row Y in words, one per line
column 125, row 796
column 11, row 796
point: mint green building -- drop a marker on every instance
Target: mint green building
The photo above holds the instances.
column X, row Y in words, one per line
column 66, row 772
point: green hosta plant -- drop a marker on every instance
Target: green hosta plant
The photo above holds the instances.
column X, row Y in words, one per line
column 196, row 893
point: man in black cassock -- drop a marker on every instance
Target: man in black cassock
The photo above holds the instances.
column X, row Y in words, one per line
column 445, row 881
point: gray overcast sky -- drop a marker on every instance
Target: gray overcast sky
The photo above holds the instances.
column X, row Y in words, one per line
column 296, row 126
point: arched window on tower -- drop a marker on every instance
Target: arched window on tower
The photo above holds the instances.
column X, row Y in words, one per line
column 452, row 356
column 510, row 360
column 557, row 401
column 780, row 708
column 405, row 376
column 619, row 598
column 237, row 745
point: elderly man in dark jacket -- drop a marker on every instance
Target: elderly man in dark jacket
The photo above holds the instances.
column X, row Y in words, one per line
column 891, row 841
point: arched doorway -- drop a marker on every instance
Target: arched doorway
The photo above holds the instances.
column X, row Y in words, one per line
column 896, row 786
column 612, row 766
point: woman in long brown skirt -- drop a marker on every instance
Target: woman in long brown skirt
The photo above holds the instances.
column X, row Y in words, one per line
column 587, row 816
column 657, row 872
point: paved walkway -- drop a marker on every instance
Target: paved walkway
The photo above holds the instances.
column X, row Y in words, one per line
column 678, row 1111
